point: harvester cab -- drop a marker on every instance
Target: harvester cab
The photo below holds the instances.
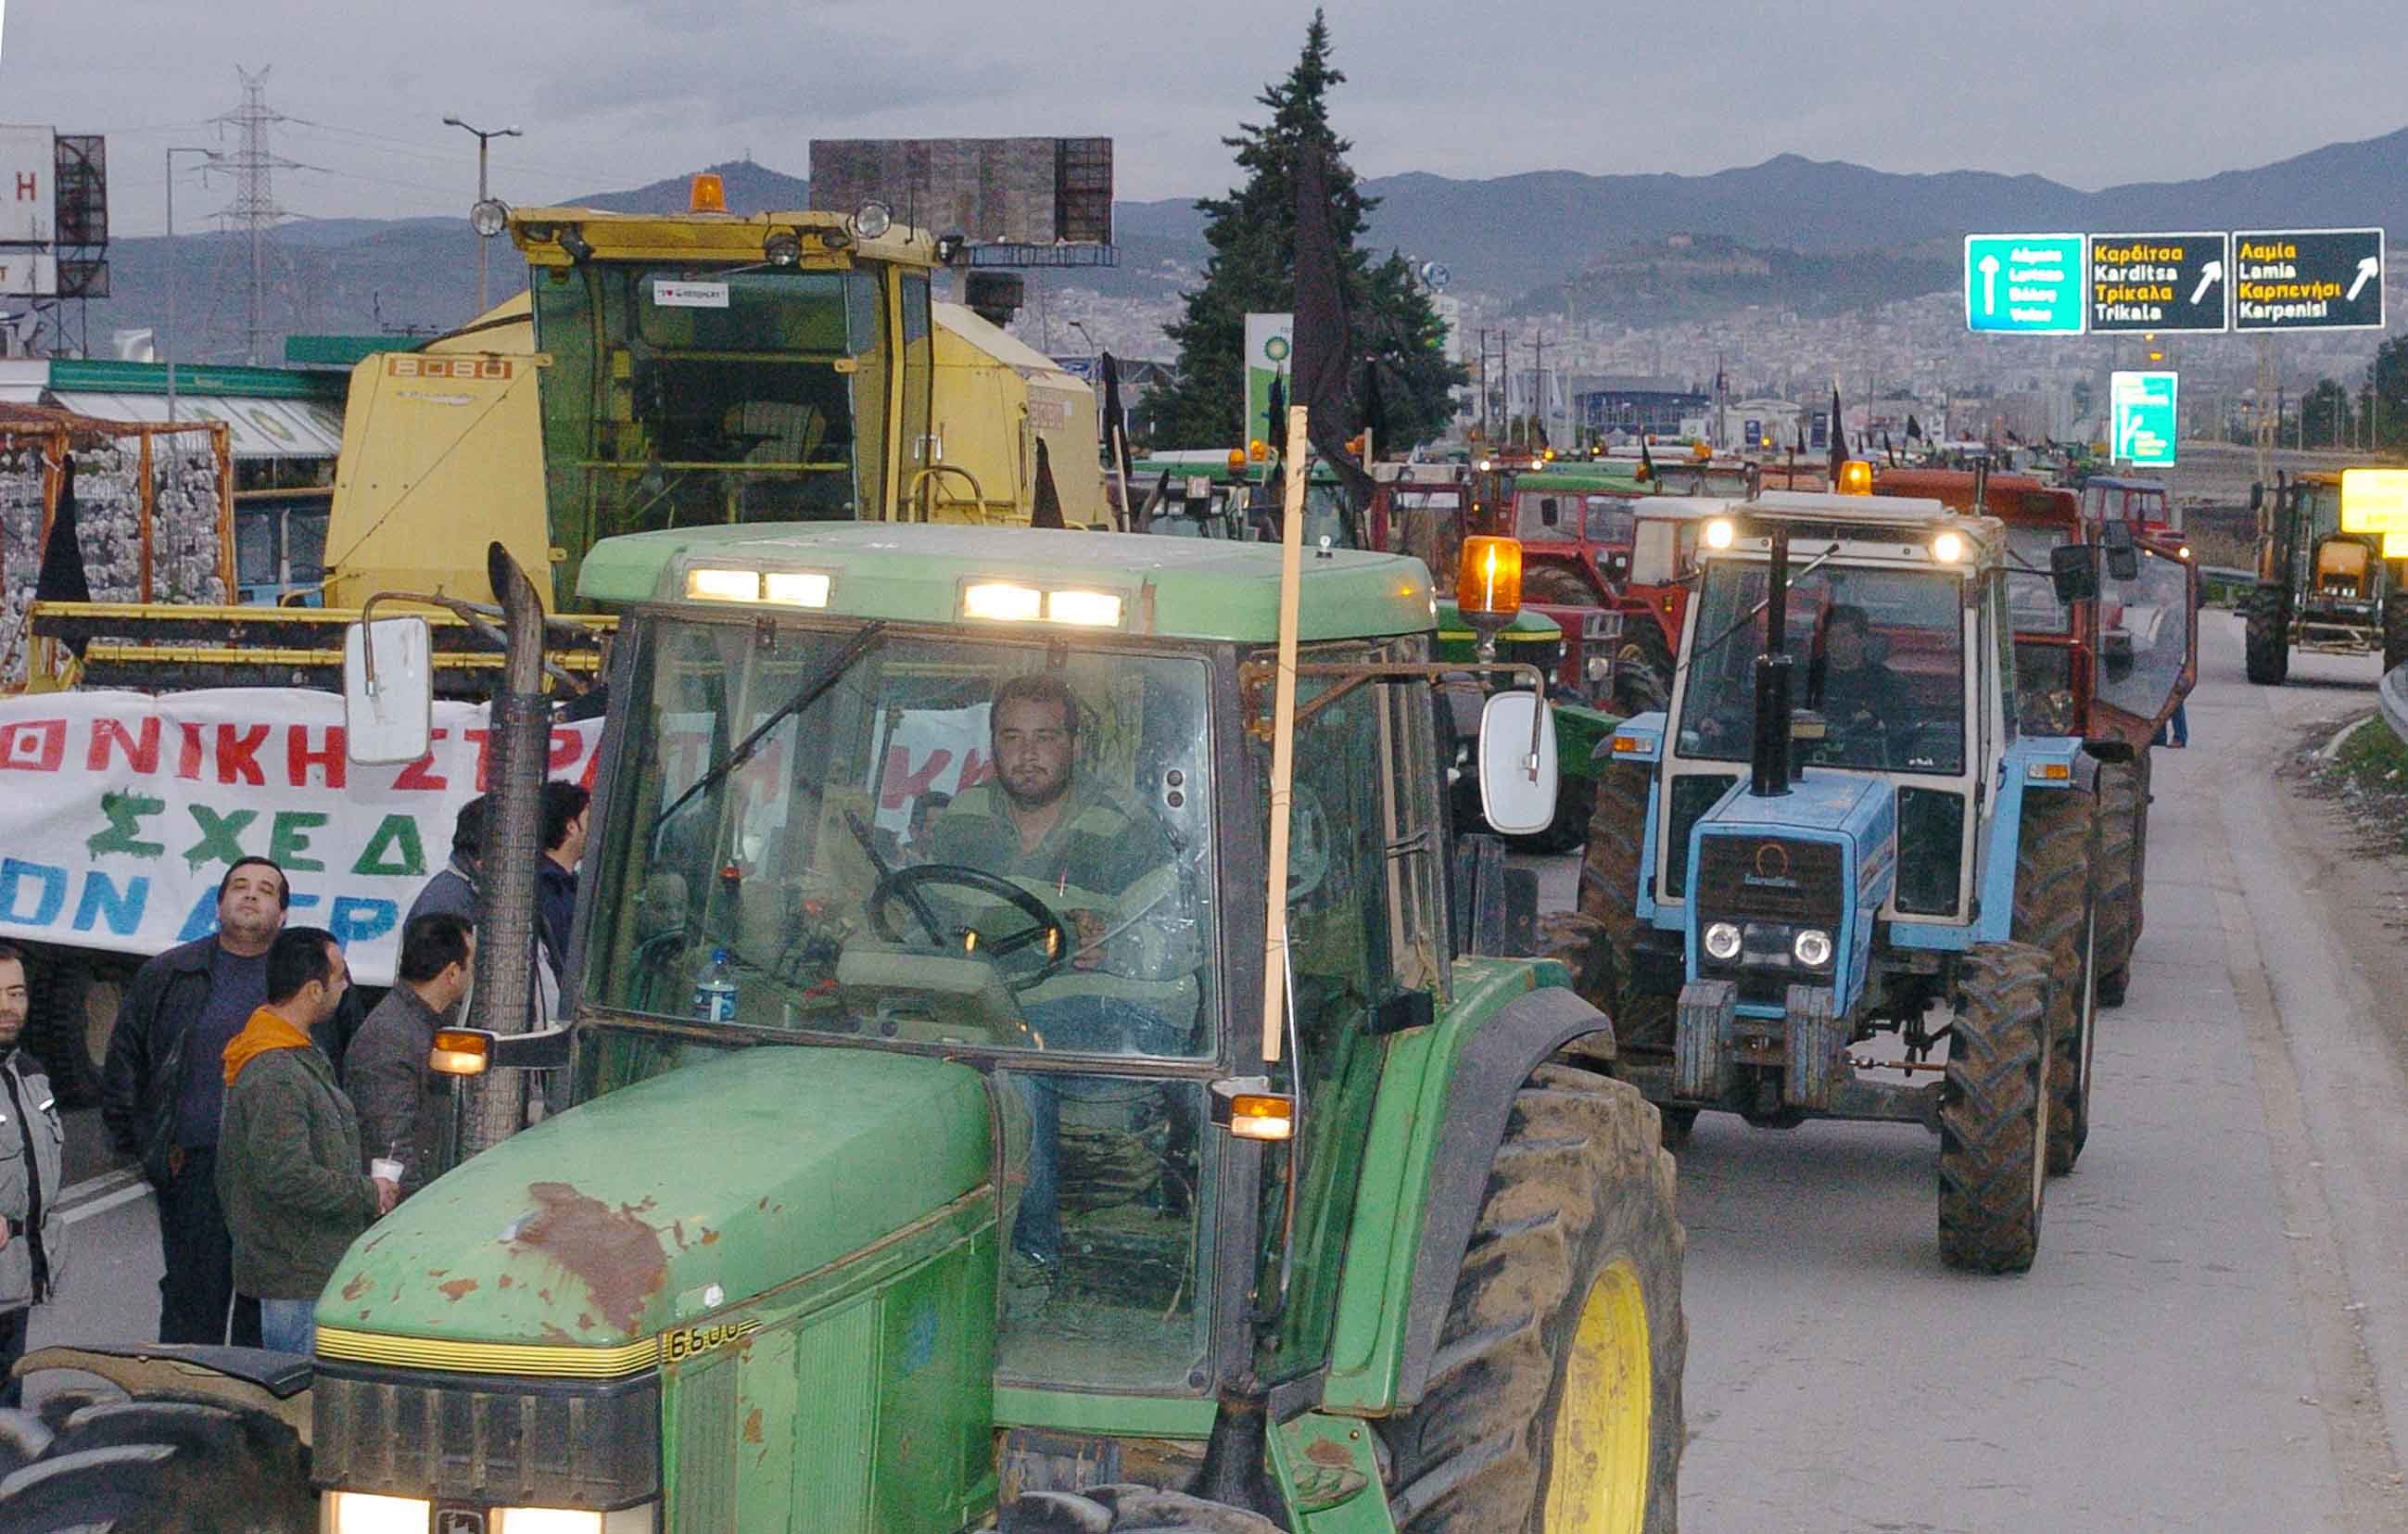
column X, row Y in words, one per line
column 1840, row 878
column 945, row 1123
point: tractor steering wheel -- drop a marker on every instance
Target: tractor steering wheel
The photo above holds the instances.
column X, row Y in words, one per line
column 904, row 885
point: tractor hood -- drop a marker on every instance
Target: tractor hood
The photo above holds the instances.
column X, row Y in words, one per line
column 697, row 1188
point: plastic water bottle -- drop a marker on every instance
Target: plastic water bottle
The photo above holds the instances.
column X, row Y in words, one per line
column 714, row 990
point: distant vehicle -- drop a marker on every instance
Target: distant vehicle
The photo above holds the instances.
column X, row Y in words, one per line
column 2319, row 589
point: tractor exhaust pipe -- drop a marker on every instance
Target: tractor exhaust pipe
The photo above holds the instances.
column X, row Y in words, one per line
column 504, row 1001
column 1768, row 761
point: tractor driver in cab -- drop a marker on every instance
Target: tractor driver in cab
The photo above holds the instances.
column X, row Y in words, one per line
column 1849, row 683
column 1111, row 874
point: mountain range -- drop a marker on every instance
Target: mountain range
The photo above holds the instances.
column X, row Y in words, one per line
column 1825, row 233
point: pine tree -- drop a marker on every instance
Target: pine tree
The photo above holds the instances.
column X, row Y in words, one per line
column 1252, row 233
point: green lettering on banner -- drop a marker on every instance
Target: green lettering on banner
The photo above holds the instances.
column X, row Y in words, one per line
column 395, row 851
column 290, row 838
column 220, row 835
column 125, row 813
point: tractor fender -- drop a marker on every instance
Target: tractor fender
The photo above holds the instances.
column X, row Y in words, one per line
column 1496, row 1059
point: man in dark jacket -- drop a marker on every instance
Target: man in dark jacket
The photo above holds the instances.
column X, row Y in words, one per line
column 30, row 1141
column 453, row 888
column 401, row 1102
column 289, row 1158
column 566, row 808
column 161, row 1088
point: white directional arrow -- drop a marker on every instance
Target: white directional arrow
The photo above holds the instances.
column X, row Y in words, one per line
column 2209, row 275
column 2368, row 270
column 1988, row 266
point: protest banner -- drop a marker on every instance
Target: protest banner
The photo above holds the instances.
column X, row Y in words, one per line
column 120, row 812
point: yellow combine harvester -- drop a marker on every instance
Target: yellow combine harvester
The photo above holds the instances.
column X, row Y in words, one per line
column 662, row 371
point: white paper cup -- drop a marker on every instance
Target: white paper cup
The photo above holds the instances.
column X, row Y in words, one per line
column 385, row 1167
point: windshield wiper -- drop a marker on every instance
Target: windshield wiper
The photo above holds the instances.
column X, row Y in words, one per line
column 1698, row 652
column 811, row 691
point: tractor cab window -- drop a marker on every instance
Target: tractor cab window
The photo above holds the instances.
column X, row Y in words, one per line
column 2031, row 594
column 677, row 397
column 2144, row 634
column 1547, row 517
column 1879, row 660
column 1611, row 519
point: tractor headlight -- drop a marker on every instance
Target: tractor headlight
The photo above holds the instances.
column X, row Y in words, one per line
column 1723, row 942
column 1813, row 948
column 357, row 1513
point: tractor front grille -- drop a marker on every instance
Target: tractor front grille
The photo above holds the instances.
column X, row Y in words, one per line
column 493, row 1440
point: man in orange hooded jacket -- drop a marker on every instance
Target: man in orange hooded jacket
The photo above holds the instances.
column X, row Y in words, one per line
column 289, row 1158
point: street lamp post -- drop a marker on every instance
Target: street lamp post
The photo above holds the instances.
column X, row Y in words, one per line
column 169, row 349
column 484, row 138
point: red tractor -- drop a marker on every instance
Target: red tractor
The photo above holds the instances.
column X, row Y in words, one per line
column 2106, row 647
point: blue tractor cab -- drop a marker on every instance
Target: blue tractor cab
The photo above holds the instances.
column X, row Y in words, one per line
column 1833, row 880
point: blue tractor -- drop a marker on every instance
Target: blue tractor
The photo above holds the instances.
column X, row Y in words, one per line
column 1833, row 880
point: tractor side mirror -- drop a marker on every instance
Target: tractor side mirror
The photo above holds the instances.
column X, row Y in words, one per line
column 388, row 691
column 1517, row 763
column 2074, row 574
column 1655, row 553
column 2123, row 553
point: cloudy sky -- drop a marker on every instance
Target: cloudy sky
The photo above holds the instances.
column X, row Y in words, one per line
column 616, row 92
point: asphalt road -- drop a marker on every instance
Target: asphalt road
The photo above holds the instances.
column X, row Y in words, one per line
column 2215, row 1335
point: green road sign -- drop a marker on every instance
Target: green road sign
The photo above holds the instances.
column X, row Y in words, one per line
column 2308, row 279
column 2026, row 284
column 2144, row 426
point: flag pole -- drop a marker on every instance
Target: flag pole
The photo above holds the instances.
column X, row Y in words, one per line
column 1284, row 740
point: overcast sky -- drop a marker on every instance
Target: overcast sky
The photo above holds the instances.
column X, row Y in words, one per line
column 616, row 92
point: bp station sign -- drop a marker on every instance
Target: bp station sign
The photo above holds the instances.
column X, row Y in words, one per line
column 2174, row 283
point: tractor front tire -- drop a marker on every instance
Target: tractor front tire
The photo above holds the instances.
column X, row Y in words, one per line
column 1994, row 1111
column 2057, row 912
column 2265, row 639
column 141, row 1466
column 1554, row 1396
column 1609, row 889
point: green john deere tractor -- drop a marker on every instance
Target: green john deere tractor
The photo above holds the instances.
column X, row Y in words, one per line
column 904, row 1176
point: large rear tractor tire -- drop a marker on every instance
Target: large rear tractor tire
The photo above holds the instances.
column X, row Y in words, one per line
column 1994, row 1111
column 2265, row 638
column 1558, row 586
column 1127, row 1510
column 2057, row 912
column 153, row 1466
column 1555, row 1398
column 77, row 1000
column 1642, row 668
column 2122, row 853
column 2395, row 628
column 1600, row 945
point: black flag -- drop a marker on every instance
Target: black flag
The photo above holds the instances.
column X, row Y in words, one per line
column 1045, row 503
column 1115, row 421
column 1646, row 465
column 1888, row 452
column 1321, row 338
column 1275, row 415
column 1839, row 437
column 62, row 578
column 1913, row 429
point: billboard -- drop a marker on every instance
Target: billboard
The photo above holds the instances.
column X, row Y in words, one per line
column 26, row 196
column 995, row 190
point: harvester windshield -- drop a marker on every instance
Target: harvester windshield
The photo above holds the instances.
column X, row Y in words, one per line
column 1880, row 654
column 682, row 396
